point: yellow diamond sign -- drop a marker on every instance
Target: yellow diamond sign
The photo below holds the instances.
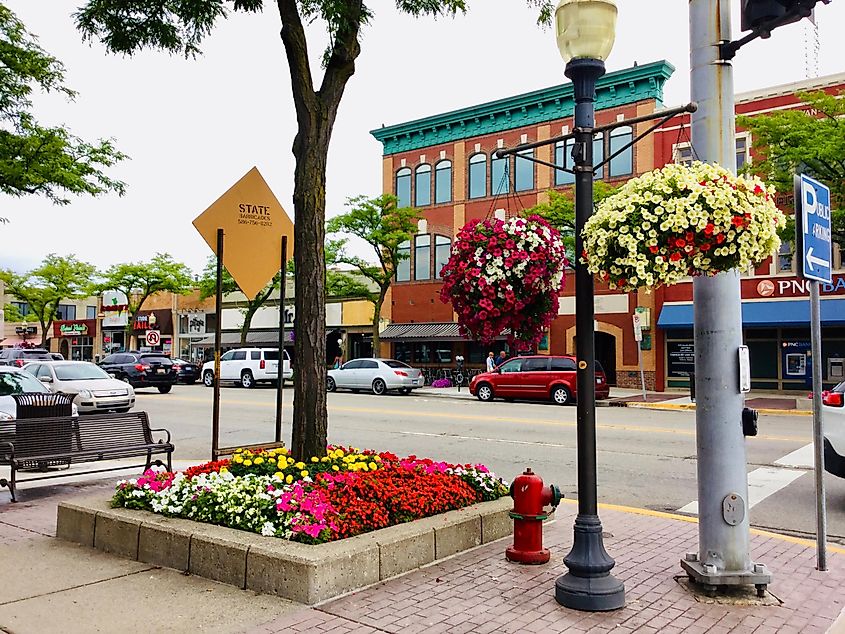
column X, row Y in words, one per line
column 253, row 223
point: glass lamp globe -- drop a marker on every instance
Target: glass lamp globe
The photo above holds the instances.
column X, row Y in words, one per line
column 585, row 28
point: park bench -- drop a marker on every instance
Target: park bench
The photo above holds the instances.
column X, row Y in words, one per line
column 42, row 443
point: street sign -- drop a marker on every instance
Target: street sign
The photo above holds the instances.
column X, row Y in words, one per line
column 813, row 229
column 153, row 337
column 638, row 327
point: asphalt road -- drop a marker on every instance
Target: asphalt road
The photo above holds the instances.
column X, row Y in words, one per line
column 646, row 458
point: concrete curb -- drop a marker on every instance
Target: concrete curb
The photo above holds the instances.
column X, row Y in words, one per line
column 691, row 407
column 300, row 572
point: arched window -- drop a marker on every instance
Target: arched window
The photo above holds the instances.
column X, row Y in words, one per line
column 563, row 158
column 422, row 257
column 442, row 251
column 403, row 267
column 403, row 187
column 443, row 182
column 623, row 164
column 524, row 171
column 422, row 186
column 478, row 176
column 500, row 175
column 598, row 154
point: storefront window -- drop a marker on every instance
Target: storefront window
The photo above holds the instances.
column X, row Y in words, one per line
column 402, row 351
column 82, row 348
column 422, row 353
column 443, row 352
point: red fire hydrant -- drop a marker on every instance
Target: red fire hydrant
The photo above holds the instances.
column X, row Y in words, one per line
column 529, row 497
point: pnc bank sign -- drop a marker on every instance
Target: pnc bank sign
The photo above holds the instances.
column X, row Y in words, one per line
column 794, row 287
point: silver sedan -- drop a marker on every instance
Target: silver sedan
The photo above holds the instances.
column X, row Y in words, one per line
column 92, row 388
column 378, row 375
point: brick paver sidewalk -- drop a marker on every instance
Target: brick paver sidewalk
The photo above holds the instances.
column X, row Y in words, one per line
column 480, row 591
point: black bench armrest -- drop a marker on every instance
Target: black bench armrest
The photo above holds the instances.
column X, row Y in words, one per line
column 7, row 448
column 162, row 430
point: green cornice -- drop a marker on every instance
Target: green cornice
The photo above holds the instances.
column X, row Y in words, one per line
column 614, row 89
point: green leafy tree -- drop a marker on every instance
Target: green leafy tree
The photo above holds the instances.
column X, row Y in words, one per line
column 177, row 26
column 384, row 226
column 250, row 306
column 559, row 212
column 36, row 159
column 803, row 141
column 138, row 281
column 57, row 279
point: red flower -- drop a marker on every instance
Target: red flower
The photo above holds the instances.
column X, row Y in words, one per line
column 709, row 228
column 680, row 243
column 706, row 246
column 654, row 249
column 737, row 221
column 675, row 257
column 720, row 238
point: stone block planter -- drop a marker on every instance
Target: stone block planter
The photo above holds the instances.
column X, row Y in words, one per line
column 300, row 572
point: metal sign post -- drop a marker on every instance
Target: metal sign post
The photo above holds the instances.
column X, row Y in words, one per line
column 638, row 337
column 218, row 312
column 814, row 246
column 281, row 385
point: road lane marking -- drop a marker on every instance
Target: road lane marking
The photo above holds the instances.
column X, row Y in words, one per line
column 800, row 458
column 494, row 419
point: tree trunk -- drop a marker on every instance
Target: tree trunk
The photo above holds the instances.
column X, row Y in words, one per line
column 376, row 319
column 248, row 315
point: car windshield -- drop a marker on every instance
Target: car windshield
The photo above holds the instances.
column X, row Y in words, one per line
column 392, row 363
column 18, row 383
column 78, row 372
column 36, row 354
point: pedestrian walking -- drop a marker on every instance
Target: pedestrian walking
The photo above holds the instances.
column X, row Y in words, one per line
column 503, row 356
column 491, row 361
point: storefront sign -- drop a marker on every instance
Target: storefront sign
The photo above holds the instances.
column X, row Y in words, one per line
column 795, row 287
column 115, row 309
column 68, row 330
column 680, row 358
column 196, row 323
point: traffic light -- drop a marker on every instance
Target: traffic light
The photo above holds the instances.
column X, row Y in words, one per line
column 765, row 15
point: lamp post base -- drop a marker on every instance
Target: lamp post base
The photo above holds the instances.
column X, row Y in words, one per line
column 711, row 577
column 588, row 585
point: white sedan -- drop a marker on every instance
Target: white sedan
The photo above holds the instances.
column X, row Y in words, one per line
column 92, row 388
column 378, row 375
column 833, row 415
column 15, row 381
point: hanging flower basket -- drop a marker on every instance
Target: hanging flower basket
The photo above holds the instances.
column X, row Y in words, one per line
column 505, row 275
column 679, row 221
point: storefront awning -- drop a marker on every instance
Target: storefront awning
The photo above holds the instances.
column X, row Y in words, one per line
column 428, row 331
column 784, row 314
column 230, row 339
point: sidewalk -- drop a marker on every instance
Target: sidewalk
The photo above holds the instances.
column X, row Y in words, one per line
column 66, row 589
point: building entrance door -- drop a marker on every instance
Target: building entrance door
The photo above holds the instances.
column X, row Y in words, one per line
column 606, row 355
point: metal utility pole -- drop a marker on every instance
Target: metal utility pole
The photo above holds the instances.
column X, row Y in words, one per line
column 723, row 529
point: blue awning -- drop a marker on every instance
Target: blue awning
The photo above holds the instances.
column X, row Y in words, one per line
column 793, row 313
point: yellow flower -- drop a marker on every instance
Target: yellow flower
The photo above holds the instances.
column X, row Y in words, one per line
column 303, row 473
column 340, row 453
column 259, row 460
column 364, row 466
column 335, row 467
column 377, row 458
column 290, row 460
column 315, row 459
column 289, row 479
column 281, row 451
column 279, row 475
column 373, row 466
column 324, row 459
column 300, row 465
column 238, row 459
column 224, row 470
column 238, row 450
column 247, row 463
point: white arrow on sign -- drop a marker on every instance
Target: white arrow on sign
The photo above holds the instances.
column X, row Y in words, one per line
column 812, row 259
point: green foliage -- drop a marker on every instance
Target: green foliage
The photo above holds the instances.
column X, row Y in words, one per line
column 804, row 141
column 34, row 159
column 57, row 279
column 559, row 212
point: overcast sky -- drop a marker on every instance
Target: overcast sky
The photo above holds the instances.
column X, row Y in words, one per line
column 193, row 127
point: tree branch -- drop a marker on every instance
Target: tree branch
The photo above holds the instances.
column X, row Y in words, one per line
column 296, row 49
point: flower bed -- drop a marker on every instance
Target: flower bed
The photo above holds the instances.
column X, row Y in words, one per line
column 346, row 493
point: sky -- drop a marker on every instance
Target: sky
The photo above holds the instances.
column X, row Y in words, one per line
column 193, row 127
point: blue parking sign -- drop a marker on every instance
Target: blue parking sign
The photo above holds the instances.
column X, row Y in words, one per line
column 813, row 229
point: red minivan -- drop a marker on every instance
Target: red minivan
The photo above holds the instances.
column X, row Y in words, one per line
column 535, row 377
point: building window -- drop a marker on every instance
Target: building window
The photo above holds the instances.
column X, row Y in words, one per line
column 443, row 182
column 422, row 257
column 403, row 267
column 524, row 171
column 621, row 165
column 66, row 312
column 478, row 176
column 442, row 251
column 786, row 255
column 741, row 151
column 499, row 175
column 683, row 155
column 22, row 307
column 563, row 158
column 90, row 312
column 402, row 351
column 422, row 353
column 598, row 154
column 403, row 187
column 422, row 186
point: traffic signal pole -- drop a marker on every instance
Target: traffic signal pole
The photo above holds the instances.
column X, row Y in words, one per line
column 723, row 558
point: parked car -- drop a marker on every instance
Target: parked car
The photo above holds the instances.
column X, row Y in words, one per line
column 16, row 381
column 141, row 369
column 248, row 366
column 19, row 357
column 378, row 375
column 833, row 417
column 535, row 377
column 57, row 356
column 186, row 372
column 93, row 389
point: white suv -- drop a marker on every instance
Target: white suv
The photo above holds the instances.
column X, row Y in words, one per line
column 248, row 366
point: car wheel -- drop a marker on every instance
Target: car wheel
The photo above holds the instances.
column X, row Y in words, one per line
column 247, row 380
column 379, row 387
column 124, row 378
column 164, row 389
column 208, row 378
column 561, row 395
column 331, row 386
column 484, row 392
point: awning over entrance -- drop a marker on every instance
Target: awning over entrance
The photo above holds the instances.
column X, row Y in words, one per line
column 428, row 331
column 787, row 314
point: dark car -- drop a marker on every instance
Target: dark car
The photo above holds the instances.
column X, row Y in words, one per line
column 19, row 357
column 186, row 372
column 142, row 369
column 535, row 377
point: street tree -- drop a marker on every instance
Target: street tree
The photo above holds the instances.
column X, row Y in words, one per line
column 58, row 279
column 809, row 141
column 176, row 26
column 384, row 226
column 138, row 281
column 37, row 159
